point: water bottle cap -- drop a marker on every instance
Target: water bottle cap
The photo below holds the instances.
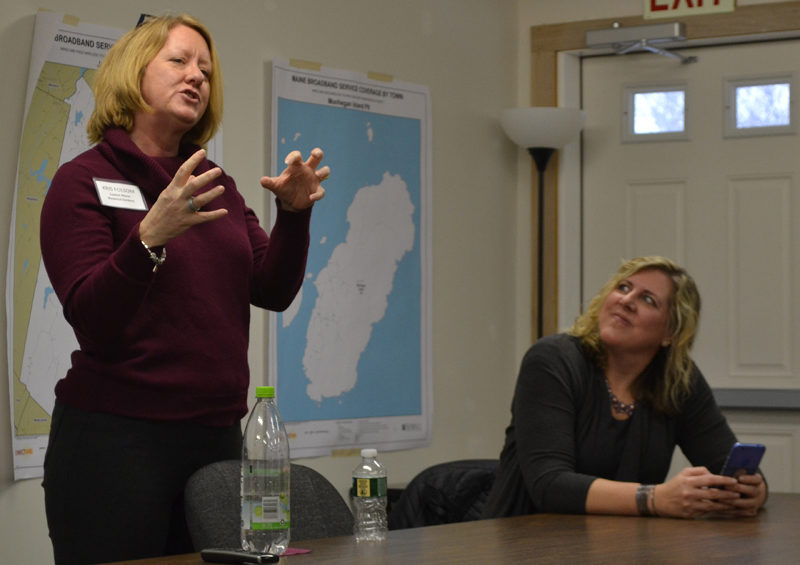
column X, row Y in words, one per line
column 369, row 452
column 265, row 392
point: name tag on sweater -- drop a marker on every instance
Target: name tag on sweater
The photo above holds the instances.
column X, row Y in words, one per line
column 117, row 194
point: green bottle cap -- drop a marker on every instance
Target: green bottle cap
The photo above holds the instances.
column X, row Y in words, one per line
column 265, row 392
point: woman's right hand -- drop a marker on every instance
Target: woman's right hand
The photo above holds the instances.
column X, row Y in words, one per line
column 172, row 214
column 690, row 494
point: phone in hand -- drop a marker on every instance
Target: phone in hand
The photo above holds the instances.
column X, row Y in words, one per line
column 221, row 555
column 743, row 459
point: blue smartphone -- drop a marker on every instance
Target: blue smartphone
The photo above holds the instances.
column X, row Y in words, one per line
column 743, row 459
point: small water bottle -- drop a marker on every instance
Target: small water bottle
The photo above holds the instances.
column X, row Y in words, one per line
column 266, row 470
column 369, row 498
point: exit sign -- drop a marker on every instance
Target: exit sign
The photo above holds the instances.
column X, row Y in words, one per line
column 673, row 8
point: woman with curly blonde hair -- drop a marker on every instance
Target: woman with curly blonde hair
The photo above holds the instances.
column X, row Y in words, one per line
column 599, row 410
column 666, row 393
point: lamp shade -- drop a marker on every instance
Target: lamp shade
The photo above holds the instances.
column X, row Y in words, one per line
column 542, row 126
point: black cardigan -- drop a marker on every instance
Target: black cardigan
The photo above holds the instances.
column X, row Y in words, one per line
column 563, row 436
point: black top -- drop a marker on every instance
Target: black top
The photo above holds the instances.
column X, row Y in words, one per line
column 563, row 435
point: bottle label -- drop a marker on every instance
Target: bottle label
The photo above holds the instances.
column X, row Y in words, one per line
column 368, row 488
column 268, row 513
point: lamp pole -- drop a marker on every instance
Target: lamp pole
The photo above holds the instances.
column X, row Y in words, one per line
column 541, row 156
column 541, row 130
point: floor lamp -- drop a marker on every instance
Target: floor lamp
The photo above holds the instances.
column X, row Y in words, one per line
column 541, row 130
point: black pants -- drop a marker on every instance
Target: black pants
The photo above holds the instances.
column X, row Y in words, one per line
column 114, row 486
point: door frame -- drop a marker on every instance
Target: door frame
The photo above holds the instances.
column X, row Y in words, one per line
column 556, row 52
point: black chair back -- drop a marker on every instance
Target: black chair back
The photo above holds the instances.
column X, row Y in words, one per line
column 455, row 491
column 213, row 506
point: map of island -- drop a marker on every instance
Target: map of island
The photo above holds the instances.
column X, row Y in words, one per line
column 350, row 357
column 358, row 279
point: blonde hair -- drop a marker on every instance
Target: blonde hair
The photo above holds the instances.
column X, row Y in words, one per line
column 117, row 85
column 665, row 389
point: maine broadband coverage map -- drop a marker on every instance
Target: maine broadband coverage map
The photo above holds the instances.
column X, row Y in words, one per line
column 350, row 356
column 64, row 57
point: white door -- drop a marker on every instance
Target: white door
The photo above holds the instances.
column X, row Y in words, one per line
column 726, row 208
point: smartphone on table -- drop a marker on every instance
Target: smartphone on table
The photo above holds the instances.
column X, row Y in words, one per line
column 743, row 459
column 221, row 555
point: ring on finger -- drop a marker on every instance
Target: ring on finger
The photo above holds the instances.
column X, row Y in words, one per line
column 191, row 205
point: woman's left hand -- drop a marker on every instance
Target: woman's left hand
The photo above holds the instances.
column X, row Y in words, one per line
column 299, row 185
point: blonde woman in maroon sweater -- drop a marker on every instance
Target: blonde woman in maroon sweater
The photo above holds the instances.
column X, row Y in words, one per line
column 156, row 260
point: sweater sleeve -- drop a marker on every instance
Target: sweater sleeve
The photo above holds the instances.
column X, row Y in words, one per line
column 279, row 259
column 100, row 284
column 548, row 391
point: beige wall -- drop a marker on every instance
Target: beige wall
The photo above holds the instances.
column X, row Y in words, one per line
column 464, row 52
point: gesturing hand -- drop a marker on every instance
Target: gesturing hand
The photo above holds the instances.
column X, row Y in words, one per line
column 177, row 207
column 299, row 185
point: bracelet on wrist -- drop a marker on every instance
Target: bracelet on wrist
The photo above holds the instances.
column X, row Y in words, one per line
column 157, row 261
column 643, row 494
column 652, row 500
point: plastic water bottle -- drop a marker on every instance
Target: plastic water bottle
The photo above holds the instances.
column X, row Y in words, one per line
column 369, row 498
column 266, row 469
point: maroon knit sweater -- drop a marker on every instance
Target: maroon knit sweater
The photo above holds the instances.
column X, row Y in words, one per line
column 170, row 345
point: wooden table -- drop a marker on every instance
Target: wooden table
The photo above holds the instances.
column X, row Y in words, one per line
column 771, row 537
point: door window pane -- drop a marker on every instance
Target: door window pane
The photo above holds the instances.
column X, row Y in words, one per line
column 658, row 112
column 759, row 106
column 654, row 113
column 762, row 105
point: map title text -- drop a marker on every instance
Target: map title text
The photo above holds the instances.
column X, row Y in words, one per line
column 348, row 87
